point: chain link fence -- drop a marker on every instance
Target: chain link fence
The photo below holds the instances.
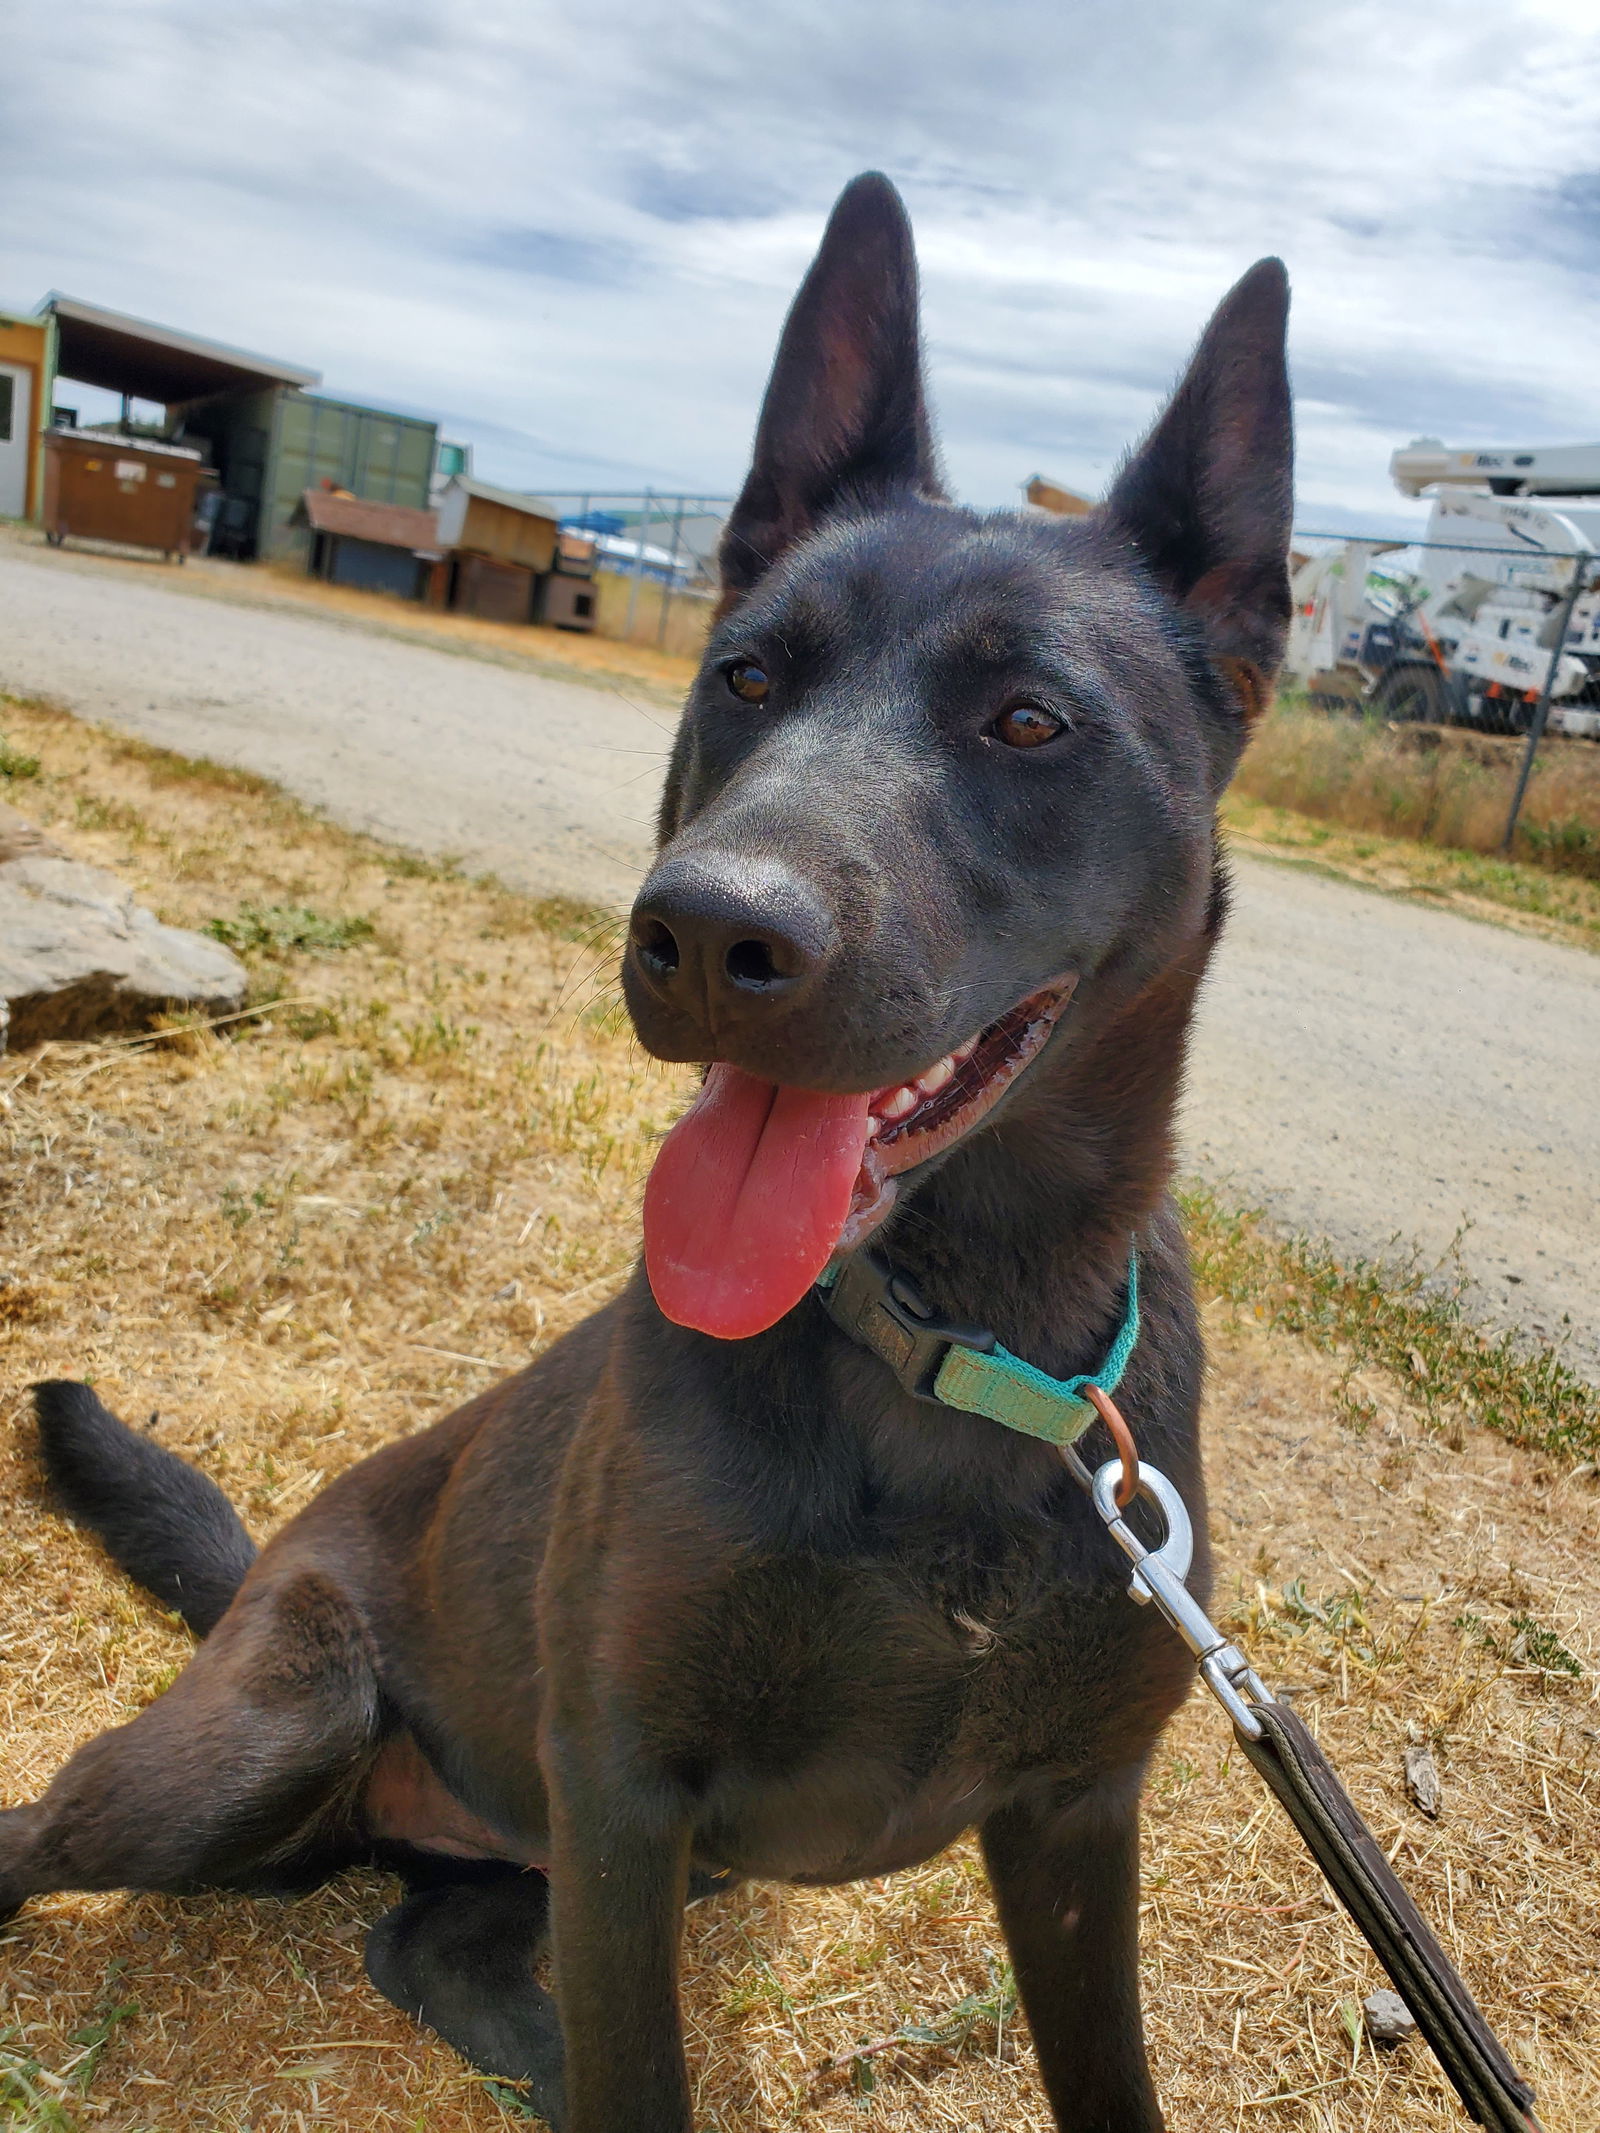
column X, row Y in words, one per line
column 1498, row 630
column 655, row 562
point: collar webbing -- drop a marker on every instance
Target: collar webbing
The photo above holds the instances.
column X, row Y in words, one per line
column 965, row 1366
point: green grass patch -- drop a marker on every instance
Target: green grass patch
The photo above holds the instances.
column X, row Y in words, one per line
column 280, row 929
column 1566, row 905
column 1399, row 1319
column 14, row 763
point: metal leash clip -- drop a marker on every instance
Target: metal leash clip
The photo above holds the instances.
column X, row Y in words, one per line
column 1158, row 1581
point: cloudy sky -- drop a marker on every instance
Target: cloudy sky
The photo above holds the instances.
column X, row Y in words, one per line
column 570, row 232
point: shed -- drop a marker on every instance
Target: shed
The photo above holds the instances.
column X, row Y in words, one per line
column 269, row 437
column 387, row 548
column 502, row 524
column 1054, row 497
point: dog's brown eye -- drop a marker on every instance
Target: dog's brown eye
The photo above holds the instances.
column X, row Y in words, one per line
column 1027, row 726
column 749, row 682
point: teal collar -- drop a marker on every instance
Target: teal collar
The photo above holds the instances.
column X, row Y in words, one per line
column 965, row 1366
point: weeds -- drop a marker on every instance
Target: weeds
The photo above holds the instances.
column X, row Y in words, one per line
column 1431, row 785
column 1529, row 1644
column 1399, row 1319
column 14, row 763
column 279, row 929
column 953, row 2030
column 1568, row 847
column 31, row 2096
column 1562, row 906
column 25, row 2101
column 93, row 812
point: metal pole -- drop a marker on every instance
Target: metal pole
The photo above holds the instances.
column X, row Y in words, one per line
column 670, row 586
column 1541, row 713
column 638, row 569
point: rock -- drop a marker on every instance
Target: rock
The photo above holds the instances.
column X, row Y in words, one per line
column 1422, row 1781
column 22, row 839
column 79, row 958
column 1389, row 2020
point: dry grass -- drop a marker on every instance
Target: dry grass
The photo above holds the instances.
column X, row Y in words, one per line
column 1439, row 785
column 293, row 1236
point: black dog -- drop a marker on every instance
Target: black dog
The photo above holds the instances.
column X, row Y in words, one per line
column 706, row 1592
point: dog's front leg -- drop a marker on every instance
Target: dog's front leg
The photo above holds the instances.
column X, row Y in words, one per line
column 618, row 1877
column 1066, row 1880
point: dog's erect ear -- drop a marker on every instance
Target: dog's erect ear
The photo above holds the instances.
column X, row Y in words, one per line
column 843, row 426
column 1208, row 498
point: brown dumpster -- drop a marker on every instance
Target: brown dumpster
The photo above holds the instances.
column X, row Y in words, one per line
column 111, row 488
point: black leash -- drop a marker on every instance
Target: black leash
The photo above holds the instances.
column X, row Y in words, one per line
column 882, row 1311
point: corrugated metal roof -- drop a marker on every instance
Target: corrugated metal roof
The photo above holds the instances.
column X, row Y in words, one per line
column 390, row 525
column 513, row 499
column 134, row 355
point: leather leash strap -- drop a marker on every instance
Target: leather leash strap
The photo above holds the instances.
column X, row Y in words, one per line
column 1307, row 1788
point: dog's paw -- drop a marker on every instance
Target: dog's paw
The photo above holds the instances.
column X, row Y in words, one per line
column 459, row 1960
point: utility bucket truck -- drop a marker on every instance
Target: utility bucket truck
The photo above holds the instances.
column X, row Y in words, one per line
column 1459, row 628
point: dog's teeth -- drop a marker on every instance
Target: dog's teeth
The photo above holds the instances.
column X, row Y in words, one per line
column 899, row 1103
column 934, row 1080
column 965, row 1051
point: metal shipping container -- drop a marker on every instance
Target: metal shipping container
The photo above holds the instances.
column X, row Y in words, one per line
column 382, row 458
column 272, row 446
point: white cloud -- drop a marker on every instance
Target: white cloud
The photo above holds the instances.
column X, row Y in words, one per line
column 574, row 233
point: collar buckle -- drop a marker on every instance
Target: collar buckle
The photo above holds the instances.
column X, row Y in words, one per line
column 885, row 1312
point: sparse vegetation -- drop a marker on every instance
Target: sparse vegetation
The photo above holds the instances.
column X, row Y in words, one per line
column 1403, row 1318
column 1439, row 786
column 15, row 762
column 279, row 929
column 1560, row 907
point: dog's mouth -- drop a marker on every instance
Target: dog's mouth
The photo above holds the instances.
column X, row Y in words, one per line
column 758, row 1186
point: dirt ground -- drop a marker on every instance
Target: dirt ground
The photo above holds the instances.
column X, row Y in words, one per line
column 303, row 1234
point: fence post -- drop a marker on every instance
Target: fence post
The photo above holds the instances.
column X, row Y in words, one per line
column 671, row 584
column 1541, row 715
column 638, row 568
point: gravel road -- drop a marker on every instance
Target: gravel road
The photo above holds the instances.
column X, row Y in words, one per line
column 550, row 784
column 1374, row 1072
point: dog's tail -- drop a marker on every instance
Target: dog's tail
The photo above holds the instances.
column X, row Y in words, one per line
column 159, row 1519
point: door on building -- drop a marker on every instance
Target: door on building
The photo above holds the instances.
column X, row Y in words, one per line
column 16, row 436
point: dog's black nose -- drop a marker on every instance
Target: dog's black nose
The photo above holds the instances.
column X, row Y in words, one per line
column 712, row 936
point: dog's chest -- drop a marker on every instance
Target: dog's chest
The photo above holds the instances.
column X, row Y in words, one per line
column 844, row 1718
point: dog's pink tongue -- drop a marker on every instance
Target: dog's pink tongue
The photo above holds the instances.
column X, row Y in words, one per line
column 747, row 1199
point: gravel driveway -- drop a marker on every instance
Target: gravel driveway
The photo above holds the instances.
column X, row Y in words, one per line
column 1367, row 1069
column 550, row 784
